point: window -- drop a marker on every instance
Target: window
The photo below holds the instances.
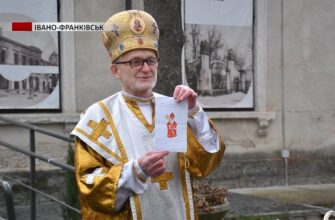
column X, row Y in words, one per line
column 16, row 58
column 23, row 60
column 3, row 56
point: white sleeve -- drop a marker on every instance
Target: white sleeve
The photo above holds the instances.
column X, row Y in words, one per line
column 129, row 183
column 199, row 123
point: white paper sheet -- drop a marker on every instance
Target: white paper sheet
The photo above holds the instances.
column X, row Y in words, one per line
column 170, row 124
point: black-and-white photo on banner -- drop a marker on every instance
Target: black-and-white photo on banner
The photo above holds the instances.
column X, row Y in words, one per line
column 29, row 61
column 218, row 52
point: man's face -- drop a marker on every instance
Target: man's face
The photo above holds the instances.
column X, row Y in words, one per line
column 136, row 81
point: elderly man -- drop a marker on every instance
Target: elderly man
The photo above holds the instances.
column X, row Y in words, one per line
column 119, row 174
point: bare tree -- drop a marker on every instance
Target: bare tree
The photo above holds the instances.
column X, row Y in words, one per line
column 195, row 31
column 215, row 41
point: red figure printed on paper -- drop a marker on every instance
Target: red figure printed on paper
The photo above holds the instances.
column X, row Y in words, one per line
column 171, row 127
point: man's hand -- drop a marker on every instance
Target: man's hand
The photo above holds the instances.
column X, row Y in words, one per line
column 182, row 92
column 152, row 163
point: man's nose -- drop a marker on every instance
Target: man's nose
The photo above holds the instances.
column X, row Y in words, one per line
column 145, row 66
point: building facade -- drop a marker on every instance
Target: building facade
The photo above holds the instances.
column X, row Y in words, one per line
column 15, row 53
column 294, row 115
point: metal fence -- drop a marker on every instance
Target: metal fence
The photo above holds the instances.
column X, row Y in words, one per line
column 9, row 199
column 32, row 177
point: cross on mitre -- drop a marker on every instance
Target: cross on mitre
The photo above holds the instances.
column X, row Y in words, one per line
column 99, row 129
column 163, row 180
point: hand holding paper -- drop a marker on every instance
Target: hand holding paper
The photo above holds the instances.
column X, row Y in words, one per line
column 152, row 163
column 183, row 92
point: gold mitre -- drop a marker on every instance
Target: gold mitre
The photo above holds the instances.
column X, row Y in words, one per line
column 130, row 30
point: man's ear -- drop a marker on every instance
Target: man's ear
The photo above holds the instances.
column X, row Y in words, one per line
column 115, row 71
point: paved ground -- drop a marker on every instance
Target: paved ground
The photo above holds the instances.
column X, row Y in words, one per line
column 268, row 201
column 14, row 100
column 45, row 211
column 281, row 200
column 299, row 194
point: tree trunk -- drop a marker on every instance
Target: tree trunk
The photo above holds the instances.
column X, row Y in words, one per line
column 168, row 17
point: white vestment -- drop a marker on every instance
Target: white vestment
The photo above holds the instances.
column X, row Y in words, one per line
column 119, row 120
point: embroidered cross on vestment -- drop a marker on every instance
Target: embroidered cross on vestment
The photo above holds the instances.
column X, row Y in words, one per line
column 163, row 180
column 99, row 129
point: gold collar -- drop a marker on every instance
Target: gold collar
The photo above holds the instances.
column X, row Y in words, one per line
column 133, row 102
column 131, row 98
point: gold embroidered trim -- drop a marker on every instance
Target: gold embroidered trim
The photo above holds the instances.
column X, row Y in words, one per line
column 115, row 133
column 137, row 99
column 138, row 207
column 211, row 122
column 194, row 111
column 103, row 147
column 132, row 105
column 99, row 129
column 184, row 186
column 163, row 180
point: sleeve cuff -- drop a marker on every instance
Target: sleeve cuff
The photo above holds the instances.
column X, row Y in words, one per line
column 138, row 172
column 192, row 112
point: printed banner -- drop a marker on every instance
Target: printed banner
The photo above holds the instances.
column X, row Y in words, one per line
column 219, row 52
column 29, row 61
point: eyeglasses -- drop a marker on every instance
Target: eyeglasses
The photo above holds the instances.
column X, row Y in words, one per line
column 138, row 64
